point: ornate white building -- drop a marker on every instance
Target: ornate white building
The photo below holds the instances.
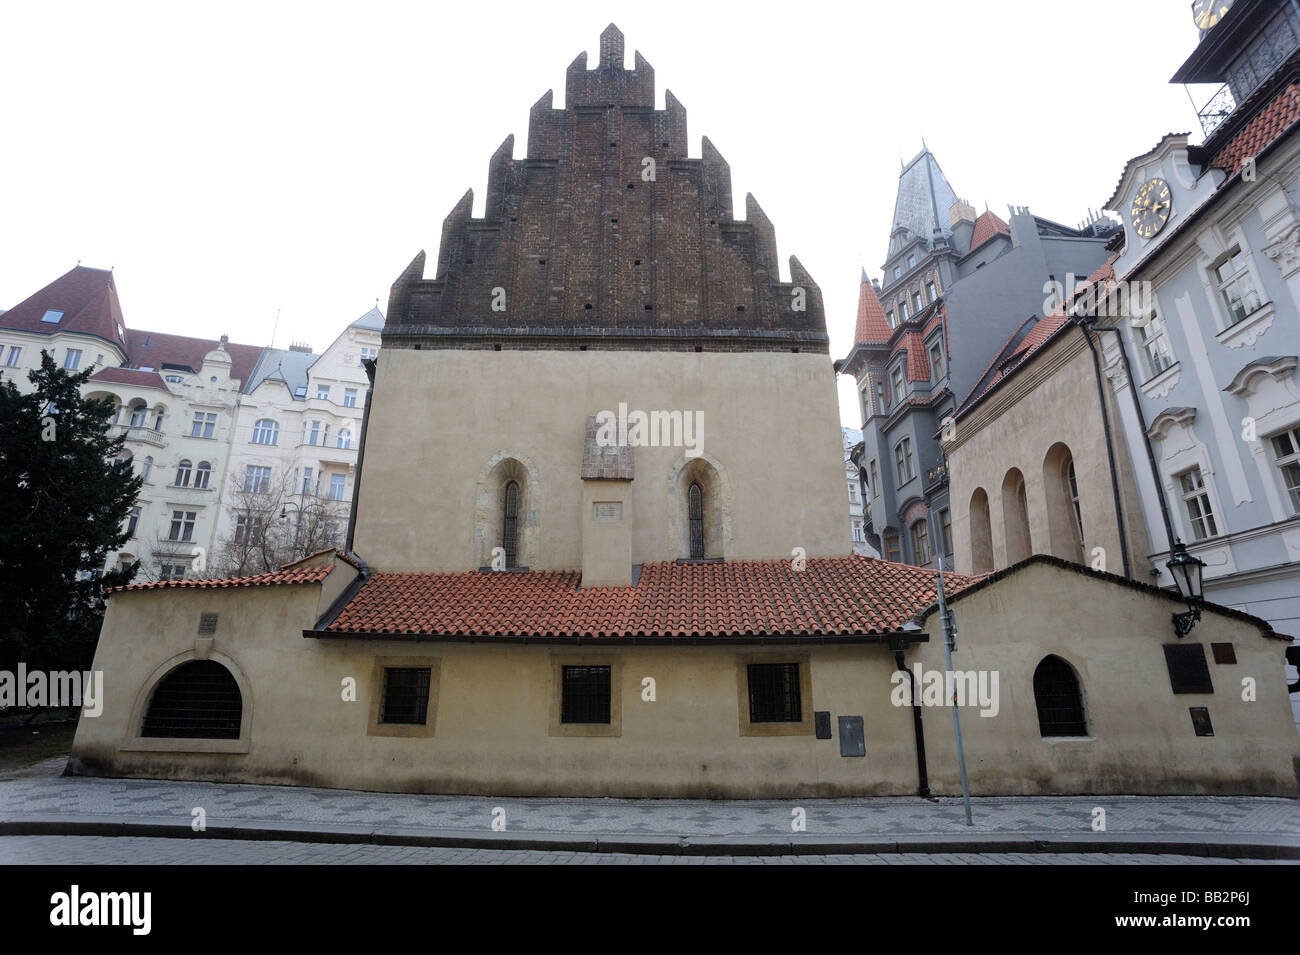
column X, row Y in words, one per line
column 189, row 408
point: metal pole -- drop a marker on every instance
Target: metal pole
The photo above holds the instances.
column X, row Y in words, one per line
column 950, row 680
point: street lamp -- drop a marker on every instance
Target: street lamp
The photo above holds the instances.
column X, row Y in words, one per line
column 1186, row 570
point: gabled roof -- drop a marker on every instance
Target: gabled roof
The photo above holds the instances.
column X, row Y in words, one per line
column 373, row 320
column 281, row 364
column 832, row 596
column 987, row 226
column 155, row 349
column 872, row 328
column 86, row 297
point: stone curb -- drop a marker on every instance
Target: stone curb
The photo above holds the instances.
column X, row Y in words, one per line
column 1222, row 845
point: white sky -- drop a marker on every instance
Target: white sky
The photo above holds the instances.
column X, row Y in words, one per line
column 240, row 159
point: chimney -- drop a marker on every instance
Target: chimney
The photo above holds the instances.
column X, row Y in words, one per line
column 606, row 514
column 300, row 346
column 961, row 211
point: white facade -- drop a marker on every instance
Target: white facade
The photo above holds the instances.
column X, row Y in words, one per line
column 295, row 443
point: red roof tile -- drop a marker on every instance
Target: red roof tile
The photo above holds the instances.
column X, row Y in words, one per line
column 834, row 595
column 986, row 227
column 302, row 575
column 1271, row 122
column 130, row 376
column 872, row 327
column 153, row 349
column 88, row 299
column 918, row 361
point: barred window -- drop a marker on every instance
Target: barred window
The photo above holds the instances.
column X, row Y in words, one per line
column 695, row 502
column 774, row 693
column 406, row 695
column 510, row 525
column 585, row 694
column 1059, row 699
column 197, row 700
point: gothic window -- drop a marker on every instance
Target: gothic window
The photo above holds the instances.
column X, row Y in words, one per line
column 510, row 526
column 695, row 502
column 1059, row 699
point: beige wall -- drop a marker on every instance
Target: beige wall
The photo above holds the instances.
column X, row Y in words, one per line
column 441, row 420
column 492, row 723
column 1053, row 399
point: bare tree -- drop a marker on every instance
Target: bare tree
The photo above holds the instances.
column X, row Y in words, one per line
column 274, row 526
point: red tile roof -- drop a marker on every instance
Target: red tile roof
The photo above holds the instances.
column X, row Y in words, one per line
column 342, row 555
column 832, row 596
column 1271, row 122
column 130, row 376
column 986, row 227
column 918, row 361
column 872, row 327
column 153, row 349
column 88, row 299
column 297, row 575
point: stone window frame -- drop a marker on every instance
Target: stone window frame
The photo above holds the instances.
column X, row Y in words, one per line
column 134, row 742
column 805, row 726
column 403, row 730
column 555, row 696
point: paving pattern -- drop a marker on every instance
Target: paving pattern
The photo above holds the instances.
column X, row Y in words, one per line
column 126, row 850
column 1203, row 818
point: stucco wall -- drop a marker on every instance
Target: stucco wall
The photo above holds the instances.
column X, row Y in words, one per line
column 1053, row 399
column 492, row 713
column 440, row 418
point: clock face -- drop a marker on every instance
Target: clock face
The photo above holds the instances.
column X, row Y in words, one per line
column 1151, row 207
column 1207, row 13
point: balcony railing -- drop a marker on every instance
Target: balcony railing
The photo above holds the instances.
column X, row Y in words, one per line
column 936, row 475
column 1219, row 108
column 140, row 433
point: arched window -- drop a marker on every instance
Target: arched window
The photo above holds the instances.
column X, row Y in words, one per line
column 202, row 474
column 146, row 469
column 138, row 413
column 1015, row 517
column 1059, row 699
column 510, row 524
column 345, row 439
column 158, row 420
column 266, row 431
column 183, row 473
column 920, row 543
column 197, row 700
column 123, row 456
column 695, row 510
column 981, row 533
column 1064, row 516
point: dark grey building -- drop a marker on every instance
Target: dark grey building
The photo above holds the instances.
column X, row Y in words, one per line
column 956, row 286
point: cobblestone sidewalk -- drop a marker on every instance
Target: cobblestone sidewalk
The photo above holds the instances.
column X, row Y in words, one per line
column 47, row 797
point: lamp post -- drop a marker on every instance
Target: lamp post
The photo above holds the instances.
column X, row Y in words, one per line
column 1187, row 571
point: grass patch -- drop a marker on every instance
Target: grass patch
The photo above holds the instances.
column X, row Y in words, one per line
column 48, row 735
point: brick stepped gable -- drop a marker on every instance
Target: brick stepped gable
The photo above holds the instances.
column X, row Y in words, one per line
column 589, row 254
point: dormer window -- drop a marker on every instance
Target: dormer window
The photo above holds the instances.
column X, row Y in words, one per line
column 911, row 261
column 902, row 311
column 896, row 383
column 897, row 272
column 52, row 316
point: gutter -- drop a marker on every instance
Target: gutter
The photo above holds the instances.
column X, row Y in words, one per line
column 371, row 366
column 922, row 779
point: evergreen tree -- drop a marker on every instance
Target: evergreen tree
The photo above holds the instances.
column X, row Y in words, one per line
column 65, row 499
